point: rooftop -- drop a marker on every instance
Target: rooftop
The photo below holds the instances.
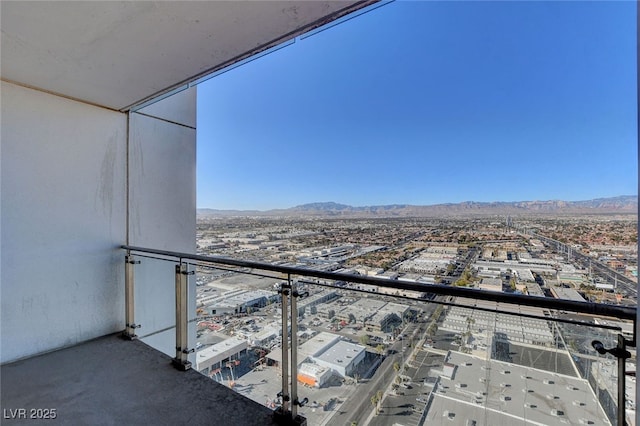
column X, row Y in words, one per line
column 494, row 392
column 341, row 352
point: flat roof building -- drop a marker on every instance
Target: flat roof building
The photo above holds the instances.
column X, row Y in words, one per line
column 510, row 327
column 314, row 375
column 214, row 355
column 566, row 293
column 342, row 357
column 491, row 284
column 489, row 392
column 239, row 301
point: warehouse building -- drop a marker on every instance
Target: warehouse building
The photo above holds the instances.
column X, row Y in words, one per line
column 240, row 301
column 387, row 317
column 566, row 293
column 360, row 310
column 341, row 357
column 314, row 375
column 216, row 355
column 309, row 305
column 375, row 314
column 508, row 327
column 324, row 355
column 489, row 392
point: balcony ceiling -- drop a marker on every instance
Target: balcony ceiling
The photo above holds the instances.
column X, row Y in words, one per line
column 117, row 54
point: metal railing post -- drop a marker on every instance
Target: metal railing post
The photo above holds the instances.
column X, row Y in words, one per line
column 294, row 348
column 295, row 401
column 285, row 291
column 181, row 361
column 130, row 325
column 622, row 353
column 283, row 414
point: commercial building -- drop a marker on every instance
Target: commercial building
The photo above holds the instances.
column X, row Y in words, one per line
column 523, row 270
column 341, row 357
column 359, row 311
column 475, row 391
column 267, row 335
column 566, row 293
column 431, row 261
column 238, row 302
column 214, row 356
column 375, row 314
column 309, row 305
column 507, row 327
column 387, row 317
column 491, row 284
column 314, row 375
column 323, row 355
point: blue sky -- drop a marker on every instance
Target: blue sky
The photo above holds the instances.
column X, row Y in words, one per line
column 427, row 103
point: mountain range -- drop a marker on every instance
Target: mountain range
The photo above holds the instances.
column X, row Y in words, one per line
column 626, row 204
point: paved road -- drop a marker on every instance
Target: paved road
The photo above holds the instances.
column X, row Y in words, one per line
column 625, row 285
column 358, row 406
column 406, row 409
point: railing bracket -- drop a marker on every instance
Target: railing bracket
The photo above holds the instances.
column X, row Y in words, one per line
column 283, row 418
column 181, row 365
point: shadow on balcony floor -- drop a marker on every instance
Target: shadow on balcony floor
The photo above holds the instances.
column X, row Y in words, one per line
column 109, row 381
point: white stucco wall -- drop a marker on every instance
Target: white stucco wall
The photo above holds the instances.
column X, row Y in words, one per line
column 162, row 185
column 162, row 167
column 63, row 218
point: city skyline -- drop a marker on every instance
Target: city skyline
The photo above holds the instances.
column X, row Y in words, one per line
column 429, row 103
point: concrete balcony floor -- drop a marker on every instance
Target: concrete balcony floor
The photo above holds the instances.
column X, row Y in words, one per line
column 110, row 381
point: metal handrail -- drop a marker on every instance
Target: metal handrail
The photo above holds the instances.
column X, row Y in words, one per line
column 621, row 312
column 287, row 288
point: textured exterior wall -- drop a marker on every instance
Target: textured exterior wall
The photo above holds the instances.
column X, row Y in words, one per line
column 63, row 218
column 162, row 209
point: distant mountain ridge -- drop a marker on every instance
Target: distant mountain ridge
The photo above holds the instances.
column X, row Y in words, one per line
column 622, row 204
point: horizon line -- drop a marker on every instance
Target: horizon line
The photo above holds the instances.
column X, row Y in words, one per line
column 415, row 205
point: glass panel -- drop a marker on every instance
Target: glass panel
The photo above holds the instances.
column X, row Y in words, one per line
column 409, row 360
column 155, row 303
column 501, row 366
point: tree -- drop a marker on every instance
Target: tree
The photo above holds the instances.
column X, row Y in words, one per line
column 374, row 402
column 466, row 276
column 470, row 322
column 433, row 328
column 380, row 349
column 364, row 339
column 512, row 283
column 396, row 366
column 461, row 283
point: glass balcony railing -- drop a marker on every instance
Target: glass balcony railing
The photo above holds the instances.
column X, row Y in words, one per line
column 364, row 350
